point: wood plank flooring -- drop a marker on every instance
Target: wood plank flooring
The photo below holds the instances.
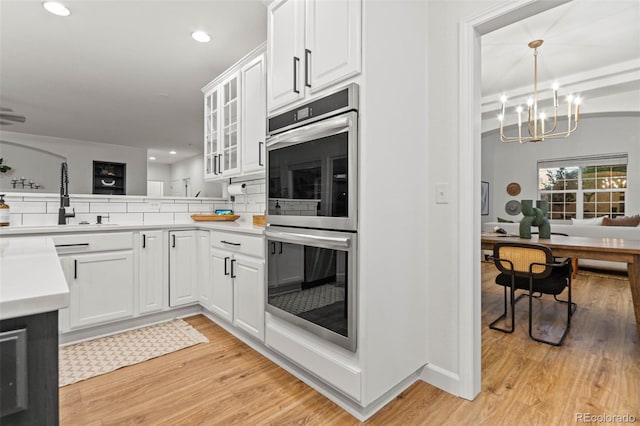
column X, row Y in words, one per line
column 224, row 382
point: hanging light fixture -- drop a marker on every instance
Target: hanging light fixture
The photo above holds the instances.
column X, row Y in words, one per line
column 536, row 118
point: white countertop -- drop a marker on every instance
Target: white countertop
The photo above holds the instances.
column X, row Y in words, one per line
column 31, row 278
column 245, row 227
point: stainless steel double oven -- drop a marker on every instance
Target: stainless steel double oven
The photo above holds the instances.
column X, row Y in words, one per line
column 312, row 207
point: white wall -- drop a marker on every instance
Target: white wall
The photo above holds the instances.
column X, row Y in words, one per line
column 80, row 156
column 503, row 163
column 443, row 285
column 192, row 168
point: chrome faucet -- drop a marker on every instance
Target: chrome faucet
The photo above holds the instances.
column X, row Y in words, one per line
column 64, row 195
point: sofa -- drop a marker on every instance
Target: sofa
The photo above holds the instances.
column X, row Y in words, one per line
column 580, row 228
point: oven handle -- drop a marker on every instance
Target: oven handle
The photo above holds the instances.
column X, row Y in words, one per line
column 289, row 237
column 321, row 129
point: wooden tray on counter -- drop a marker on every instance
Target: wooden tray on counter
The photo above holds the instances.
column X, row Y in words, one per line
column 214, row 217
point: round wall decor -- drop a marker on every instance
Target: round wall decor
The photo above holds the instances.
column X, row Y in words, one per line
column 513, row 189
column 512, row 207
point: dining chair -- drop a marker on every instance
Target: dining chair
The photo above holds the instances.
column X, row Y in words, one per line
column 532, row 268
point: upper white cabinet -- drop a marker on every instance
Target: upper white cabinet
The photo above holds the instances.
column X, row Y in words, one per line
column 312, row 44
column 235, row 119
column 254, row 107
column 221, row 129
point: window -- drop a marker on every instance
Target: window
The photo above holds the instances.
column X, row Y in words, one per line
column 584, row 187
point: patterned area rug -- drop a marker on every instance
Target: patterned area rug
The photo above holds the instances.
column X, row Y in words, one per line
column 95, row 357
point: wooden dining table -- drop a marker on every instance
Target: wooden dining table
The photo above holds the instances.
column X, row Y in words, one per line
column 611, row 249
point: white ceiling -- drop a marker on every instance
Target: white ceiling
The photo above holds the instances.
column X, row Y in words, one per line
column 121, row 72
column 128, row 72
column 591, row 48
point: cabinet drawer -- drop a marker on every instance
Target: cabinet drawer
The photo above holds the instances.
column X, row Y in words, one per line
column 85, row 243
column 240, row 243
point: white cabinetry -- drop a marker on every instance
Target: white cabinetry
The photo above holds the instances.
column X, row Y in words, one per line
column 312, row 44
column 253, row 119
column 204, row 274
column 222, row 107
column 234, row 119
column 183, row 268
column 237, row 275
column 100, row 273
column 152, row 272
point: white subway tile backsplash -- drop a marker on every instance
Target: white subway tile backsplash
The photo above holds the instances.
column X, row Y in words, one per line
column 53, row 206
column 108, row 207
column 166, row 207
column 15, row 219
column 157, row 218
column 36, row 210
column 39, row 219
column 28, row 207
column 182, row 218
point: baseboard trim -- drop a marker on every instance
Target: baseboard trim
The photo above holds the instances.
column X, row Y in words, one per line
column 441, row 378
column 104, row 330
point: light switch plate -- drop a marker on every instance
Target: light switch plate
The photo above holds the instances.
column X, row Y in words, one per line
column 442, row 193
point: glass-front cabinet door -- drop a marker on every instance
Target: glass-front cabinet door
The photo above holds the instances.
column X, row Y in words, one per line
column 211, row 134
column 230, row 127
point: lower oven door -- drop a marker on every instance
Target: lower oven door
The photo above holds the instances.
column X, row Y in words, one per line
column 311, row 281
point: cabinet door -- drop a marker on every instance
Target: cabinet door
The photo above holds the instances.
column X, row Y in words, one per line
column 102, row 287
column 229, row 163
column 183, row 280
column 333, row 42
column 211, row 134
column 204, row 279
column 285, row 52
column 248, row 307
column 222, row 284
column 152, row 275
column 253, row 118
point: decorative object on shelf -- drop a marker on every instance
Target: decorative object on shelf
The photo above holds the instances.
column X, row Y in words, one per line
column 513, row 189
column 484, row 198
column 3, row 167
column 536, row 216
column 22, row 181
column 109, row 178
column 214, row 217
column 5, row 212
column 536, row 116
column 512, row 207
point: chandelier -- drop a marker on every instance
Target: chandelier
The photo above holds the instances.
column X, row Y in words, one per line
column 536, row 117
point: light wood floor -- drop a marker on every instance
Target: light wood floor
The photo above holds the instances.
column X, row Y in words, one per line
column 224, row 382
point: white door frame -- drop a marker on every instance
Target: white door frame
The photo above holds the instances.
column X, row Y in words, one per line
column 469, row 148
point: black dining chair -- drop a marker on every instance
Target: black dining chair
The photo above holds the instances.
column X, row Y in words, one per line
column 532, row 268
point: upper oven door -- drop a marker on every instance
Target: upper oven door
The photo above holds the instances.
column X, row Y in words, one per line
column 312, row 175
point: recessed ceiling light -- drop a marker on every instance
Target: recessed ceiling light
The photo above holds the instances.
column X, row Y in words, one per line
column 152, row 158
column 172, row 152
column 56, row 8
column 201, row 36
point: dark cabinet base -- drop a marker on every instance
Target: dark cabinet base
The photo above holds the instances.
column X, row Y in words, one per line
column 42, row 369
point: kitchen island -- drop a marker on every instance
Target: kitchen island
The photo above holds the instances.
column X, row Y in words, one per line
column 32, row 290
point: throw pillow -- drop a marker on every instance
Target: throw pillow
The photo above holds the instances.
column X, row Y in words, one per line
column 622, row 221
column 505, row 220
column 596, row 221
